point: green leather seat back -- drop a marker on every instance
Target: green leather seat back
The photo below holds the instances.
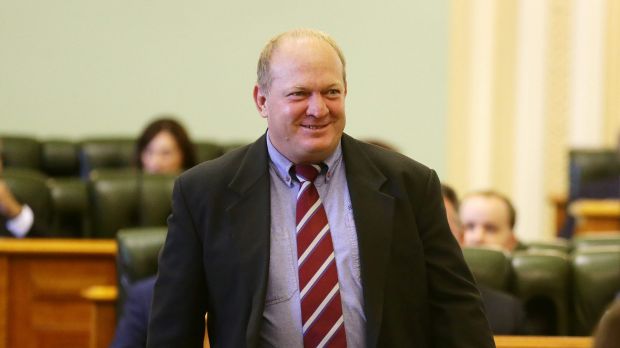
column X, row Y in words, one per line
column 21, row 152
column 30, row 187
column 559, row 244
column 596, row 283
column 155, row 199
column 106, row 153
column 71, row 207
column 206, row 151
column 60, row 158
column 596, row 239
column 138, row 249
column 542, row 280
column 113, row 202
column 491, row 267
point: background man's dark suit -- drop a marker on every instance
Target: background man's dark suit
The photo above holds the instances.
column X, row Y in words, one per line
column 131, row 329
column 505, row 312
column 418, row 291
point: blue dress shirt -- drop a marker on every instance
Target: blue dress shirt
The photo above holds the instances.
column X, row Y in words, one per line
column 282, row 315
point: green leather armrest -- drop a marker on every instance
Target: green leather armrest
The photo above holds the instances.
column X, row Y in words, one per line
column 491, row 267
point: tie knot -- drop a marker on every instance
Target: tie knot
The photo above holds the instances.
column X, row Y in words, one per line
column 306, row 172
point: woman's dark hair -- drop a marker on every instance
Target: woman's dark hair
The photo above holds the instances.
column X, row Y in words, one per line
column 178, row 132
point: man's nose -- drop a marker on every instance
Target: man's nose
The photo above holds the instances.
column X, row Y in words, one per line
column 478, row 234
column 317, row 106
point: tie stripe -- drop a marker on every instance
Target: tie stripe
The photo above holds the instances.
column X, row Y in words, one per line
column 321, row 306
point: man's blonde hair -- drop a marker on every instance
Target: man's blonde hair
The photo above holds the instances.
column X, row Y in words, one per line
column 263, row 72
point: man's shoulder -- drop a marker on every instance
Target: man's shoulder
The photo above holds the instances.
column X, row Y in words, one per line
column 223, row 167
column 387, row 161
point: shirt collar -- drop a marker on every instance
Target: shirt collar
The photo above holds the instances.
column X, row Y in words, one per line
column 282, row 165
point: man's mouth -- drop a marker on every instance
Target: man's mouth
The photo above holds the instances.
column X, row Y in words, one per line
column 313, row 126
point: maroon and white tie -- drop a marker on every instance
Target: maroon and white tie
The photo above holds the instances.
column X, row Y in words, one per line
column 321, row 307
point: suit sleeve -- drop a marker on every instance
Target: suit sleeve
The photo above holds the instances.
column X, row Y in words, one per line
column 457, row 314
column 179, row 300
column 131, row 329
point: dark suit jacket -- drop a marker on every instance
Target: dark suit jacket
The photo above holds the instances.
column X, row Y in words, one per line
column 505, row 312
column 131, row 329
column 418, row 291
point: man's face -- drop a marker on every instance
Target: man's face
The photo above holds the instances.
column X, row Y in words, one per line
column 304, row 106
column 486, row 222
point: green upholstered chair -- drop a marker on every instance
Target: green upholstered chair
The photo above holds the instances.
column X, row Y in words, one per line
column 60, row 158
column 138, row 249
column 596, row 239
column 596, row 283
column 491, row 267
column 120, row 199
column 542, row 280
column 561, row 245
column 21, row 152
column 71, row 207
column 30, row 187
column 207, row 150
column 113, row 202
column 106, row 153
column 155, row 199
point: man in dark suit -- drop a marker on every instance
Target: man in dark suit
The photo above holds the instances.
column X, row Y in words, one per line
column 131, row 328
column 505, row 312
column 308, row 237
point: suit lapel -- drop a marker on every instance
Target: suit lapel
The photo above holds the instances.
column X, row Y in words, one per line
column 373, row 211
column 249, row 216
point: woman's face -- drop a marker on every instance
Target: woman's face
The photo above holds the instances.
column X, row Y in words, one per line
column 162, row 155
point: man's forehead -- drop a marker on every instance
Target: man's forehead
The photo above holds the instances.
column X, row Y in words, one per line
column 485, row 204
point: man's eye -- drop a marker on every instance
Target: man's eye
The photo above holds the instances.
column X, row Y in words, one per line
column 296, row 94
column 333, row 92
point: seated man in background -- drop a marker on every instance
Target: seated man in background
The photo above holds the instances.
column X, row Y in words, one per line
column 16, row 219
column 488, row 219
column 504, row 311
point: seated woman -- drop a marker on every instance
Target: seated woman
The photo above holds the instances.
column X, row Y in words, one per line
column 163, row 148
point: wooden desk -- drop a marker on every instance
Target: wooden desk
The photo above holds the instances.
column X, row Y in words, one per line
column 103, row 315
column 41, row 281
column 542, row 342
column 596, row 215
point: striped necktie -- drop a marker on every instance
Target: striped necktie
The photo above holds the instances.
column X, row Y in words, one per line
column 321, row 307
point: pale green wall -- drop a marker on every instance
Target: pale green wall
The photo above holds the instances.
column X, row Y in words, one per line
column 79, row 68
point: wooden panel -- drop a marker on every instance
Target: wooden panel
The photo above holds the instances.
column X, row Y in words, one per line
column 542, row 342
column 4, row 290
column 43, row 306
column 596, row 215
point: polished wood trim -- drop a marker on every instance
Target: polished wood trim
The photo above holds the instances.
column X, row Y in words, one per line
column 101, row 293
column 4, row 289
column 596, row 207
column 59, row 246
column 596, row 215
column 542, row 342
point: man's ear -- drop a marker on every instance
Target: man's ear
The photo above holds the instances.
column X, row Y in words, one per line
column 260, row 100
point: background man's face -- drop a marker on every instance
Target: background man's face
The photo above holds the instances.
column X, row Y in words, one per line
column 305, row 104
column 486, row 222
